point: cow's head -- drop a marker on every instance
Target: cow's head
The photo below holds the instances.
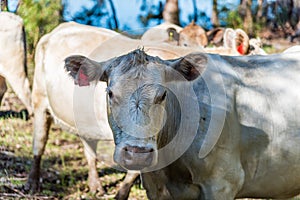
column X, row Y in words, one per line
column 141, row 109
column 193, row 36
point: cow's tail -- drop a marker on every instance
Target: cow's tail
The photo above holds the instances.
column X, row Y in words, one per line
column 25, row 51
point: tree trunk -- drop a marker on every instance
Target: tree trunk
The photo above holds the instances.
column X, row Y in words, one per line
column 246, row 14
column 114, row 13
column 286, row 13
column 215, row 13
column 296, row 10
column 195, row 10
column 259, row 13
column 171, row 12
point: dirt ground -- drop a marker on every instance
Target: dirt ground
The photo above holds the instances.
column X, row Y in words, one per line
column 64, row 168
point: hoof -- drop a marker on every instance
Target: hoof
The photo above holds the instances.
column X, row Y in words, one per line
column 96, row 187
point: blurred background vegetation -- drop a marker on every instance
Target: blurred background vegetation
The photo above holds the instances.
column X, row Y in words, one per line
column 40, row 17
column 265, row 18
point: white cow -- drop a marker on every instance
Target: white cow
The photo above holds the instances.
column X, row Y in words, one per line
column 165, row 32
column 295, row 48
column 13, row 67
column 203, row 126
column 54, row 95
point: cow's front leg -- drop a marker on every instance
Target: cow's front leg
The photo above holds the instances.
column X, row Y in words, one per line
column 126, row 185
column 42, row 122
column 158, row 189
column 155, row 184
column 90, row 148
column 219, row 190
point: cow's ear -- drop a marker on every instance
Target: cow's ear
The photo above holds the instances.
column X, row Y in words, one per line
column 215, row 36
column 229, row 38
column 241, row 42
column 84, row 70
column 237, row 40
column 190, row 67
column 173, row 34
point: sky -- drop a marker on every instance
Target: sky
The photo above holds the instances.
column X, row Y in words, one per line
column 12, row 5
column 128, row 10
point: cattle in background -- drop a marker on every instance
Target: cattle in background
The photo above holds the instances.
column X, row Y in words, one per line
column 215, row 36
column 13, row 67
column 193, row 35
column 234, row 42
column 255, row 47
column 226, row 41
column 231, row 124
column 165, row 32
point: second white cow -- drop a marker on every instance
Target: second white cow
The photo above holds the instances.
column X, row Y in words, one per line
column 13, row 58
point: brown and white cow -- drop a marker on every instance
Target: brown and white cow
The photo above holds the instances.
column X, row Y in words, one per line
column 193, row 35
column 190, row 36
column 13, row 67
column 203, row 126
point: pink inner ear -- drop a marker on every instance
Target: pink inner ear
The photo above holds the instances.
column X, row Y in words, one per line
column 82, row 79
column 240, row 49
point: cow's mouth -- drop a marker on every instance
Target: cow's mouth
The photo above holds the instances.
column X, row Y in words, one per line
column 135, row 158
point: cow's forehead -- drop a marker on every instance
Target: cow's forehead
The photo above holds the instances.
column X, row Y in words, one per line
column 148, row 73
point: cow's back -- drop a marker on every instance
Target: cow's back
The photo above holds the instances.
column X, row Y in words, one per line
column 11, row 43
column 50, row 77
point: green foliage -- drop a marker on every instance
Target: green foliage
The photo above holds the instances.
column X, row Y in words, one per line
column 234, row 19
column 40, row 17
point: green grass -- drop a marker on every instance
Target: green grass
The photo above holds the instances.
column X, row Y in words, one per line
column 270, row 49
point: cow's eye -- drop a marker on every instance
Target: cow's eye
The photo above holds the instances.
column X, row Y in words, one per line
column 109, row 93
column 160, row 97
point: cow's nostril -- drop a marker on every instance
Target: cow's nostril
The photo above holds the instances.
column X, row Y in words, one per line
column 136, row 149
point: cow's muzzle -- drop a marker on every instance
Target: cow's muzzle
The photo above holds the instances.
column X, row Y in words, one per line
column 137, row 158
